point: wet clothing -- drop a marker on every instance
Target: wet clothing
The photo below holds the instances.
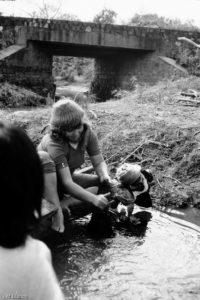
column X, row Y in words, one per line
column 26, row 272
column 62, row 154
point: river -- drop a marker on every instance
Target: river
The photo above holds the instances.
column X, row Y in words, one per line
column 160, row 262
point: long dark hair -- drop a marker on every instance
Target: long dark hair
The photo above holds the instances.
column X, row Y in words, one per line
column 21, row 185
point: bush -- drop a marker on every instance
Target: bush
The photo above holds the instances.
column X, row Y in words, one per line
column 12, row 96
column 189, row 58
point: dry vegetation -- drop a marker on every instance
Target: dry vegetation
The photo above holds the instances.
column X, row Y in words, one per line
column 148, row 126
column 14, row 96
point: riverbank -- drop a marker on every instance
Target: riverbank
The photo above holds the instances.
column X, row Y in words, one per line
column 148, row 126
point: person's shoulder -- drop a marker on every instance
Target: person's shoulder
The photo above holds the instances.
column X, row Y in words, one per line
column 42, row 272
column 44, row 141
column 87, row 132
column 88, row 129
column 38, row 248
column 47, row 138
column 48, row 141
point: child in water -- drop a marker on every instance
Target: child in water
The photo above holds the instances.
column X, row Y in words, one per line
column 62, row 151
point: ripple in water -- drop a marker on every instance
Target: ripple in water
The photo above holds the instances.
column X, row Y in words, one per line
column 162, row 264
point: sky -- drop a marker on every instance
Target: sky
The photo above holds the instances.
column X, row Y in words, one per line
column 85, row 10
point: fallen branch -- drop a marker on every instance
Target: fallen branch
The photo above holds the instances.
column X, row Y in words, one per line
column 172, row 178
column 197, row 132
column 187, row 99
column 189, row 41
column 191, row 105
column 115, row 154
column 147, row 159
column 178, row 133
column 159, row 183
column 157, row 143
column 190, row 93
column 128, row 156
column 113, row 163
column 144, row 143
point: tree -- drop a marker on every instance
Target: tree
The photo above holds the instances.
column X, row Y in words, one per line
column 47, row 11
column 106, row 16
column 153, row 20
column 63, row 66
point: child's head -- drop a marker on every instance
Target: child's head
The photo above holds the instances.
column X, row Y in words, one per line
column 21, row 182
column 128, row 174
column 66, row 116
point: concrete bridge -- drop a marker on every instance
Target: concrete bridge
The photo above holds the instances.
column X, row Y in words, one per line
column 121, row 52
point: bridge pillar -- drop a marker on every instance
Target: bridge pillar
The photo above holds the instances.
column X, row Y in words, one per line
column 106, row 77
column 124, row 70
column 30, row 68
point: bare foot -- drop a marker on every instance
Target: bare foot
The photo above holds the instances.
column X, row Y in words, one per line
column 58, row 221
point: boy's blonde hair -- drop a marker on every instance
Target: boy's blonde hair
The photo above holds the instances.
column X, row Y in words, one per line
column 66, row 114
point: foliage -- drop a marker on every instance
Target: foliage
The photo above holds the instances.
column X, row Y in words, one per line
column 150, row 129
column 48, row 11
column 69, row 67
column 153, row 20
column 88, row 69
column 189, row 58
column 66, row 67
column 14, row 97
column 103, row 88
column 106, row 16
column 166, row 91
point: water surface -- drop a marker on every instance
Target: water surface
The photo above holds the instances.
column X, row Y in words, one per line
column 163, row 262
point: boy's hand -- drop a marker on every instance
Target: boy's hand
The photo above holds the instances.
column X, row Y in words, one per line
column 101, row 201
column 105, row 178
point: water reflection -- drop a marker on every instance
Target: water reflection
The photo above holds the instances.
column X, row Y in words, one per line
column 160, row 263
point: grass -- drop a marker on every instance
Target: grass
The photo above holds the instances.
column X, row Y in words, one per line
column 147, row 126
column 12, row 96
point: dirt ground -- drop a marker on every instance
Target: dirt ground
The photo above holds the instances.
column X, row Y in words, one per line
column 149, row 127
column 161, row 137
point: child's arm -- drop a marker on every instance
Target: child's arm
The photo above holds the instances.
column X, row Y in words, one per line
column 75, row 190
column 100, row 167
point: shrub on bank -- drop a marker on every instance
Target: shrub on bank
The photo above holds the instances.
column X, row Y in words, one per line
column 12, row 96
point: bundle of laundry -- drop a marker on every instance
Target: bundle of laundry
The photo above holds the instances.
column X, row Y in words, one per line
column 130, row 186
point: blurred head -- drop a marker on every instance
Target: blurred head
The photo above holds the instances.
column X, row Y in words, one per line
column 21, row 181
column 128, row 174
column 67, row 120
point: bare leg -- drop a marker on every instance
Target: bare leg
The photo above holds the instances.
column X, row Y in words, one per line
column 86, row 180
column 50, row 193
column 50, row 190
column 78, row 207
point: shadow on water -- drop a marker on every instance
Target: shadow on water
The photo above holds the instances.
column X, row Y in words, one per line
column 159, row 259
column 135, row 230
